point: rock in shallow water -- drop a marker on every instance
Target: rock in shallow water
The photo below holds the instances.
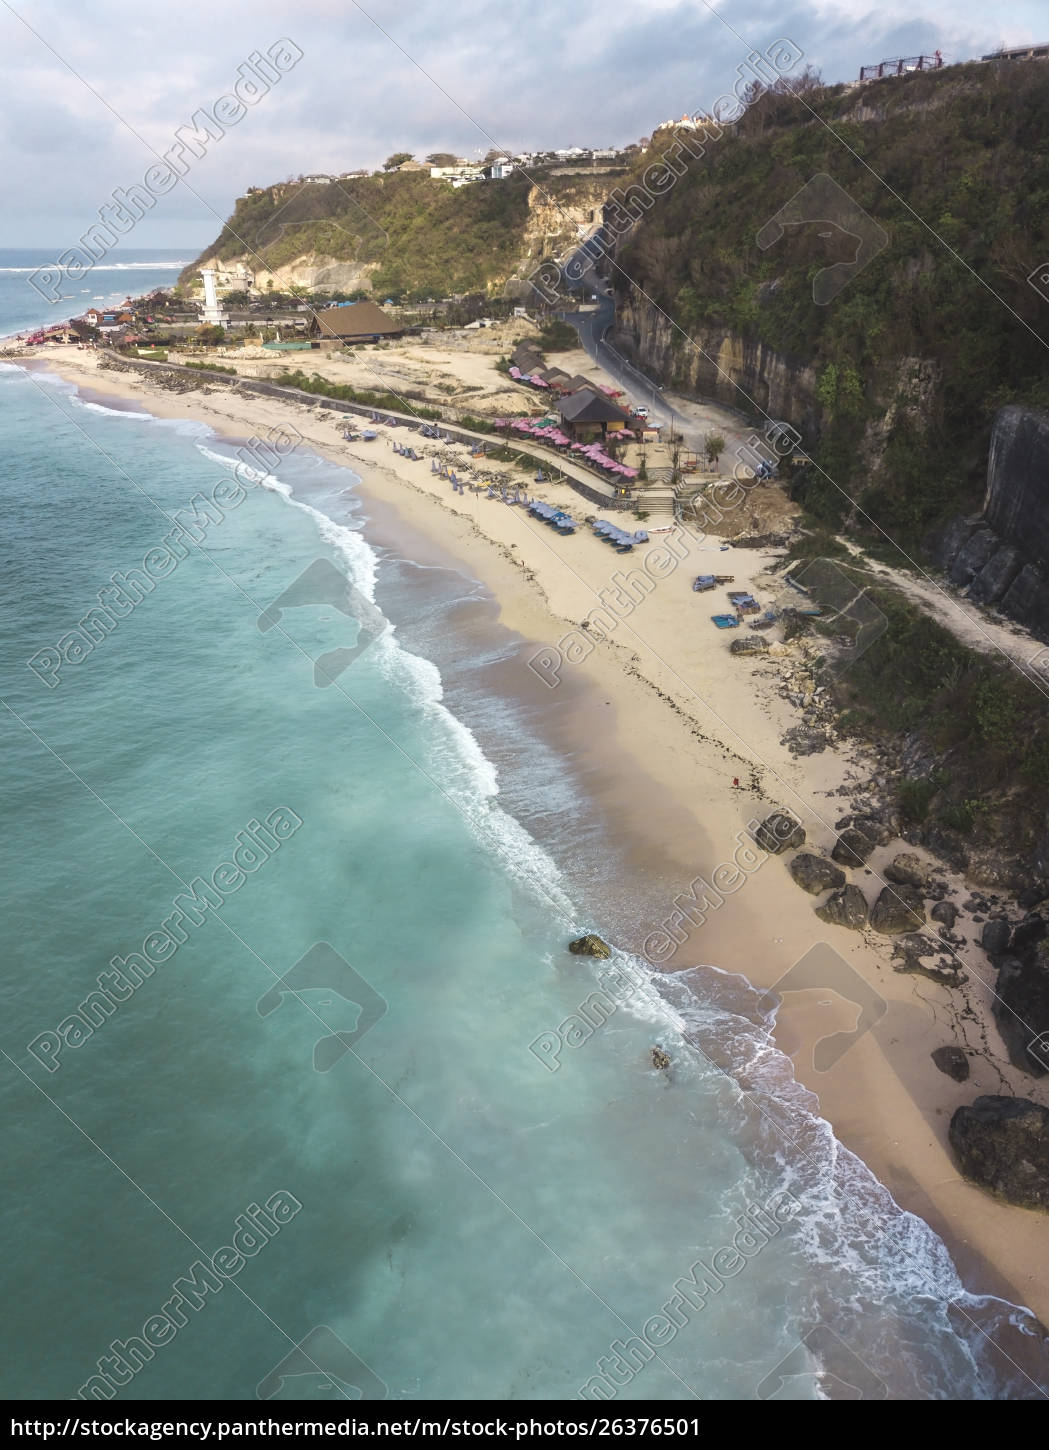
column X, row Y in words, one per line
column 1003, row 1144
column 589, row 946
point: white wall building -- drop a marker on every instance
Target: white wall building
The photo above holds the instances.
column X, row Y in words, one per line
column 212, row 313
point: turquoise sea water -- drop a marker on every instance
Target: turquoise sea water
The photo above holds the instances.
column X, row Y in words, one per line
column 123, row 273
column 449, row 1218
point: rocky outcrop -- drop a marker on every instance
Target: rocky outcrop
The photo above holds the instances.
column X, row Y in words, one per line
column 815, row 874
column 948, row 543
column 779, row 831
column 1002, row 558
column 1003, row 1145
column 853, row 847
column 897, row 909
column 908, row 870
column 995, row 936
column 803, row 740
column 946, row 912
column 847, row 907
column 996, row 576
column 973, row 555
column 1028, row 934
column 873, row 828
column 589, row 946
column 1017, row 501
column 919, row 955
column 1021, row 1009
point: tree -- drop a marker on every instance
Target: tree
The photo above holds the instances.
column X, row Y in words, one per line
column 675, row 461
column 210, row 335
column 397, row 159
column 714, row 446
column 441, row 158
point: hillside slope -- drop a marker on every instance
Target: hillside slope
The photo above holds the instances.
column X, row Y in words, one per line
column 404, row 233
column 895, row 380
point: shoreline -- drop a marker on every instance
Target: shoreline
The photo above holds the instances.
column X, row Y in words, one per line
column 660, row 719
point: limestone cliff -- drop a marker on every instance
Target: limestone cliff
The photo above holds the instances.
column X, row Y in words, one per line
column 1002, row 555
column 404, row 233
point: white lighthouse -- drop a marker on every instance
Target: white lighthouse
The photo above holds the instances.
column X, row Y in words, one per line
column 213, row 313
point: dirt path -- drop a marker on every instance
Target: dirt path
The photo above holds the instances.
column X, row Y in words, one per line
column 970, row 624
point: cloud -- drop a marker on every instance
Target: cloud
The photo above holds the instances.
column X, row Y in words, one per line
column 97, row 86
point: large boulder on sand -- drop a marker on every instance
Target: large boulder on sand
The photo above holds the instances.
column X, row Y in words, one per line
column 815, row 874
column 995, row 936
column 847, row 907
column 908, row 870
column 873, row 828
column 779, row 831
column 1003, row 1144
column 853, row 847
column 1021, row 1009
column 945, row 911
column 898, row 908
column 590, row 946
column 953, row 1061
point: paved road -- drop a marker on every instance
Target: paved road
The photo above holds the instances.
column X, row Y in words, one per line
column 683, row 415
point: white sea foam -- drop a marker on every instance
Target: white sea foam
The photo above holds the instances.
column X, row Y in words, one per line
column 105, row 267
column 852, row 1230
column 456, row 761
column 863, row 1248
column 112, row 412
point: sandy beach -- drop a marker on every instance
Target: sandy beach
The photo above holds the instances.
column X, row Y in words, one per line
column 665, row 720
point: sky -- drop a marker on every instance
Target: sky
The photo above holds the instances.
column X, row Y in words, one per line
column 95, row 91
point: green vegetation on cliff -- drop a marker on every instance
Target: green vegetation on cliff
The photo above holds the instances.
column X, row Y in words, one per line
column 417, row 237
column 978, row 783
column 966, row 151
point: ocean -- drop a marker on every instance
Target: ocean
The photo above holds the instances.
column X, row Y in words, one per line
column 292, row 1108
column 26, row 305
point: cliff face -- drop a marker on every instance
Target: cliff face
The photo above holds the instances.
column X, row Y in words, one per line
column 1002, row 556
column 1017, row 501
column 741, row 372
column 404, row 232
column 888, row 323
column 560, row 212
